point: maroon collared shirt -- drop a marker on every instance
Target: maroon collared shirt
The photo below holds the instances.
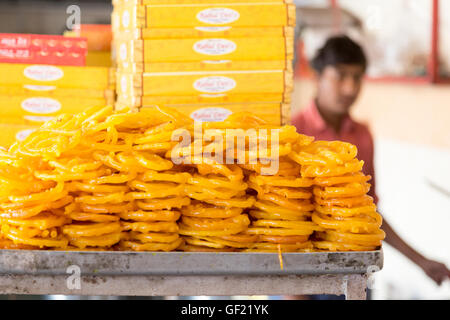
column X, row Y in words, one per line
column 310, row 122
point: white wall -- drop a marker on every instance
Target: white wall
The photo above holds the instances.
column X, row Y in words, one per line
column 396, row 34
column 411, row 127
column 419, row 213
column 399, row 31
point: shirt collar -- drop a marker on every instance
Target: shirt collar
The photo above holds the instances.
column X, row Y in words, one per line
column 316, row 120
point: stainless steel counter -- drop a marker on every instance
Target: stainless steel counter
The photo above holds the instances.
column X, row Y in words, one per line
column 185, row 273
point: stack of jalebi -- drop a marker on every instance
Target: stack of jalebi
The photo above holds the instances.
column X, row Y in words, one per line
column 148, row 189
column 73, row 151
column 96, row 197
column 158, row 194
column 69, row 184
column 32, row 212
column 104, row 180
column 342, row 206
column 217, row 220
column 281, row 216
column 34, row 188
column 152, row 226
column 85, row 167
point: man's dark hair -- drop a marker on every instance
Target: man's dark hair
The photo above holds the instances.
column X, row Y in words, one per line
column 339, row 50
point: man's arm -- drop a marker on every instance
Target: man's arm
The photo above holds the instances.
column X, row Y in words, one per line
column 435, row 270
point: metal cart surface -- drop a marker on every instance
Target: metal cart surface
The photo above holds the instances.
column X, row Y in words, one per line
column 186, row 273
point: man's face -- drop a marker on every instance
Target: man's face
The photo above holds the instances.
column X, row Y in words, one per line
column 339, row 86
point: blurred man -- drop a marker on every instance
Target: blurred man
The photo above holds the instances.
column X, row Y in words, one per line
column 340, row 66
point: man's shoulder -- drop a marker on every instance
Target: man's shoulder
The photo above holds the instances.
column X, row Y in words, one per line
column 362, row 129
column 360, row 126
column 298, row 117
column 303, row 117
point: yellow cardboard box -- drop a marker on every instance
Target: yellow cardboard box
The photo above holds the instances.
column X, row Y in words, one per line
column 177, row 2
column 273, row 113
column 57, row 92
column 203, row 99
column 205, row 32
column 99, row 59
column 14, row 132
column 98, row 78
column 131, row 14
column 210, row 49
column 38, row 109
column 204, row 83
column 224, row 65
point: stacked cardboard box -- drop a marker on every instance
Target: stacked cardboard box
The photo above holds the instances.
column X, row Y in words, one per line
column 34, row 90
column 99, row 37
column 43, row 49
column 205, row 56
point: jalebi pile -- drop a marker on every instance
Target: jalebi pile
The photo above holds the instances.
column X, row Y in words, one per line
column 81, row 182
column 32, row 210
column 217, row 219
column 96, row 199
column 342, row 207
column 157, row 189
column 105, row 180
column 281, row 215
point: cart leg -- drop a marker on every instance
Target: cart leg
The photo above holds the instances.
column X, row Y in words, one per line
column 355, row 286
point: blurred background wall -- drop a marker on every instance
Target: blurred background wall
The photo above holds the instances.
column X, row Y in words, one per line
column 49, row 16
column 411, row 128
column 408, row 116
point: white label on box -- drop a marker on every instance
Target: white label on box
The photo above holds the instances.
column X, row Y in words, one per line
column 211, row 114
column 41, row 105
column 123, row 51
column 216, row 61
column 212, row 29
column 218, row 16
column 39, row 88
column 124, row 83
column 212, row 96
column 126, row 19
column 214, row 47
column 38, row 118
column 43, row 73
column 214, row 84
column 22, row 135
